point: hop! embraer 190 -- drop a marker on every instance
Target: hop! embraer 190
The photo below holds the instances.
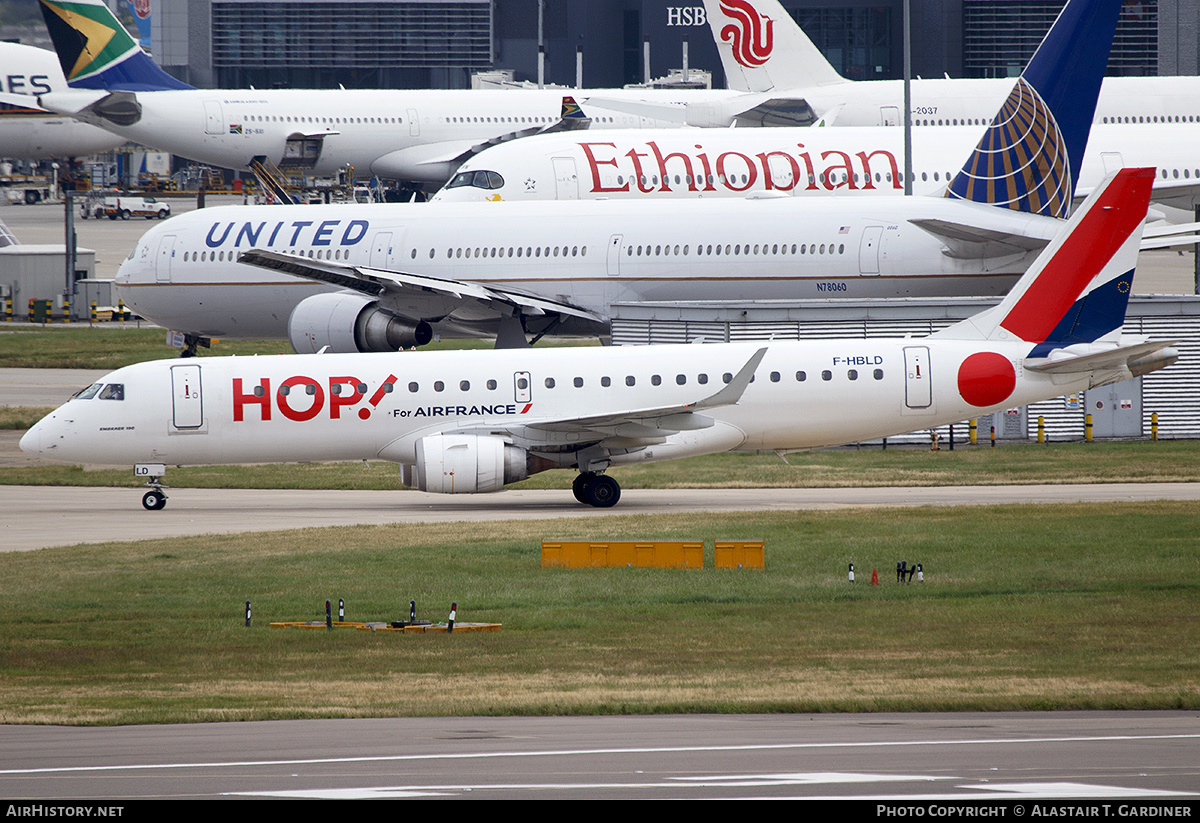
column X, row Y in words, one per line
column 462, row 422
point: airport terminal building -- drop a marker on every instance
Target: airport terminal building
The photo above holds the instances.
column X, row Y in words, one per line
column 441, row 43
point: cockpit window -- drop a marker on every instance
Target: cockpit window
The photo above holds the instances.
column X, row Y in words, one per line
column 88, row 393
column 113, row 391
column 478, row 179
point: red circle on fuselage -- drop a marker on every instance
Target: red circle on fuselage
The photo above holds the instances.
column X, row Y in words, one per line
column 986, row 379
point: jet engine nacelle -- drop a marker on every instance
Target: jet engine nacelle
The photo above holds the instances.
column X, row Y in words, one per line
column 348, row 323
column 465, row 464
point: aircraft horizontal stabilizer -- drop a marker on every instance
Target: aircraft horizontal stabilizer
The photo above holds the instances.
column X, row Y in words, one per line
column 663, row 112
column 777, row 112
column 1170, row 235
column 990, row 237
column 380, row 283
column 1110, row 361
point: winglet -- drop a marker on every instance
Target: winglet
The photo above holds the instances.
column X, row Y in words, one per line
column 97, row 53
column 1030, row 156
column 733, row 390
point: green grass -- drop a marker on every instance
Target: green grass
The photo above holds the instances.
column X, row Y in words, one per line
column 107, row 346
column 1132, row 461
column 1023, row 607
column 80, row 346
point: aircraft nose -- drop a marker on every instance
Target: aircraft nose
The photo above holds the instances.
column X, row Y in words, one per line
column 31, row 441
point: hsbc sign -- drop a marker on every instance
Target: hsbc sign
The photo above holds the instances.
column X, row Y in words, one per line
column 686, row 16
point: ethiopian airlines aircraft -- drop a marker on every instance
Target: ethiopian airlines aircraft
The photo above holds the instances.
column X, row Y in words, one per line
column 763, row 51
column 463, row 422
column 795, row 162
column 374, row 278
column 417, row 136
column 30, row 133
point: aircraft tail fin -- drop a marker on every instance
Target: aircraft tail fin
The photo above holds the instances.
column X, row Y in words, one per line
column 1030, row 156
column 97, row 53
column 1077, row 290
column 762, row 48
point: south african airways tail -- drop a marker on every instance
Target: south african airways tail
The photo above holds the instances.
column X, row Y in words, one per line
column 97, row 53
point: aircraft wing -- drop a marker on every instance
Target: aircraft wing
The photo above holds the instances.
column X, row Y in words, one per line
column 388, row 285
column 636, row 427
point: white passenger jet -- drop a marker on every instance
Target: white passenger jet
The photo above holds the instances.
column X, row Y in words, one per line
column 393, row 275
column 30, row 133
column 796, row 162
column 763, row 51
column 463, row 422
column 416, row 136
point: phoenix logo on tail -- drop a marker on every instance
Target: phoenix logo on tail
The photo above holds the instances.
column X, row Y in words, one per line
column 752, row 41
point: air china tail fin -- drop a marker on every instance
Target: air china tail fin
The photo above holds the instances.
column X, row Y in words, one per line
column 762, row 48
column 1077, row 290
column 97, row 53
column 1029, row 158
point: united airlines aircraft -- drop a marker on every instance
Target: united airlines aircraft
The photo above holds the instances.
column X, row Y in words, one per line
column 372, row 278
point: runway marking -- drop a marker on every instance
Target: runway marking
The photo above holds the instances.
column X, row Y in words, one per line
column 585, row 752
column 1008, row 791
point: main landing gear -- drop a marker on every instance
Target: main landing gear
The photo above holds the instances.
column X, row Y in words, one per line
column 597, row 490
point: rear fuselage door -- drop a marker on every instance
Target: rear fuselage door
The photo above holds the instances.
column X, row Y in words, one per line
column 614, row 254
column 868, row 250
column 918, row 391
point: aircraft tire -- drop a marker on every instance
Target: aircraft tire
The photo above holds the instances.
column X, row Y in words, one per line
column 602, row 492
column 154, row 500
column 579, row 487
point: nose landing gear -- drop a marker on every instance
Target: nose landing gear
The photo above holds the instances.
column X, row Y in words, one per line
column 155, row 499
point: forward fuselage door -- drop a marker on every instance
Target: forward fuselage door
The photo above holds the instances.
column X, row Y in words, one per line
column 165, row 255
column 187, row 402
column 889, row 116
column 414, row 123
column 918, row 389
column 566, row 180
column 214, row 123
column 381, row 250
